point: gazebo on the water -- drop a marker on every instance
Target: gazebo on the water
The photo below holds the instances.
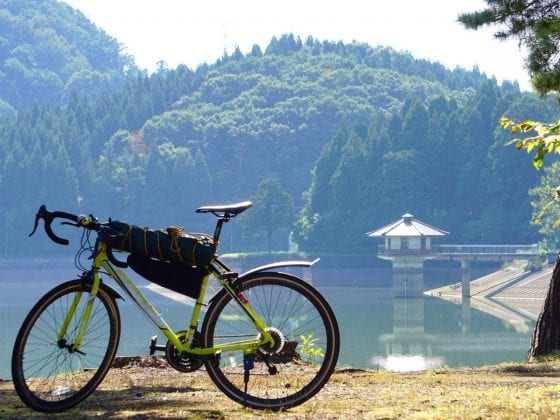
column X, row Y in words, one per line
column 407, row 236
column 407, row 245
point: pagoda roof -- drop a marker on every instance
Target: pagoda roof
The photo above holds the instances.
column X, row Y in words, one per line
column 407, row 226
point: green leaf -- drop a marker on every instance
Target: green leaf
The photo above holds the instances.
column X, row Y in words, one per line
column 539, row 158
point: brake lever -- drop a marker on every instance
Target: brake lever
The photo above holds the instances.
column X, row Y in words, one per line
column 40, row 214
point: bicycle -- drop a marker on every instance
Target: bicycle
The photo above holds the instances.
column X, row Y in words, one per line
column 268, row 339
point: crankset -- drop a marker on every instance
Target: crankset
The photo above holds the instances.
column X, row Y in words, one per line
column 181, row 361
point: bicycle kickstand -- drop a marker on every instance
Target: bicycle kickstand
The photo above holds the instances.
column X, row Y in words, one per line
column 248, row 364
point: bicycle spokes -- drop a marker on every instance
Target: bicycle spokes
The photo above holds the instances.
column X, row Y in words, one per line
column 51, row 373
column 295, row 364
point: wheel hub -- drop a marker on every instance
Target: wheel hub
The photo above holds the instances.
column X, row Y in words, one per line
column 278, row 338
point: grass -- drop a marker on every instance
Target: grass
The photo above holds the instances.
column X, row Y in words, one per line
column 517, row 390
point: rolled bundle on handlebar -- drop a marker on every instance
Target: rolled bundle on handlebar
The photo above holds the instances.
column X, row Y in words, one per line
column 172, row 244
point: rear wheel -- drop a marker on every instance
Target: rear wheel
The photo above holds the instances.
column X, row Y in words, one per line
column 305, row 350
column 48, row 374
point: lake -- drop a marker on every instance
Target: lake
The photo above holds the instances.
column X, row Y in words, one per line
column 376, row 330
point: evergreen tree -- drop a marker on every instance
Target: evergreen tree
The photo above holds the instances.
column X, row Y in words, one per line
column 274, row 114
column 273, row 211
column 536, row 24
column 319, row 197
column 256, row 51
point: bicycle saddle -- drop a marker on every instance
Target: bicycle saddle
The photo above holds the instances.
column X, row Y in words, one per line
column 229, row 209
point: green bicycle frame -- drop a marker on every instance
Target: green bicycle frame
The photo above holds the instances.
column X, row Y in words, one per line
column 102, row 261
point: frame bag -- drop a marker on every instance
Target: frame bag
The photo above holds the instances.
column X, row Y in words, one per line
column 177, row 277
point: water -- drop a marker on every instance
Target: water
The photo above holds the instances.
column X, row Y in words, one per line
column 376, row 330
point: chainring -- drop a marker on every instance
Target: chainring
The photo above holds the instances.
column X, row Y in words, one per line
column 181, row 362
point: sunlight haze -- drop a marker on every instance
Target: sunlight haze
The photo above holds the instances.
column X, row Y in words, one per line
column 191, row 33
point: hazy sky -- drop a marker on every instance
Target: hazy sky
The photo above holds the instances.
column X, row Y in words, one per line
column 185, row 32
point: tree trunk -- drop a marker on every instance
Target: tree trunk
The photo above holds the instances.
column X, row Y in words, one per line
column 546, row 336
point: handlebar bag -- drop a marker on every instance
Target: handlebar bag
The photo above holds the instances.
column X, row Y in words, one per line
column 173, row 244
column 177, row 277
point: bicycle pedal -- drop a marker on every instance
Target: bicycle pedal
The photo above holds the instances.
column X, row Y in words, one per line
column 154, row 347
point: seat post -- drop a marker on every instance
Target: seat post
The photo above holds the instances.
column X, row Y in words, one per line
column 221, row 220
column 224, row 213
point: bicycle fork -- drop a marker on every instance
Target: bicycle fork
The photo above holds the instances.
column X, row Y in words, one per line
column 61, row 340
column 92, row 281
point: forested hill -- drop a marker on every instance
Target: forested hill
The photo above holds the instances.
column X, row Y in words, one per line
column 357, row 135
column 48, row 49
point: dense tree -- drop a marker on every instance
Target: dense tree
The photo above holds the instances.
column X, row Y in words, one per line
column 273, row 211
column 48, row 50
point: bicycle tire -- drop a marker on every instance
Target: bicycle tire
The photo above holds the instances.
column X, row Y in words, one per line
column 47, row 376
column 304, row 362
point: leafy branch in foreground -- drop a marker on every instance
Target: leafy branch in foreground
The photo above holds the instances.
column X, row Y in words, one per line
column 546, row 140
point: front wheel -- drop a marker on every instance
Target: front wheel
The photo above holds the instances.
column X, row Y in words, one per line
column 49, row 374
column 305, row 350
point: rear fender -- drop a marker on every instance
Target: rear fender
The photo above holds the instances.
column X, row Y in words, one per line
column 274, row 266
column 263, row 268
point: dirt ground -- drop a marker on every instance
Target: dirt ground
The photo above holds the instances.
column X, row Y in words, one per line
column 148, row 388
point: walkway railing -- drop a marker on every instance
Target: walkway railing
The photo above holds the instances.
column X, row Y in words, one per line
column 510, row 250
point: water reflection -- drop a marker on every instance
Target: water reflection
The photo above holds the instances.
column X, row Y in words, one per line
column 408, row 347
column 468, row 332
column 448, row 336
column 421, row 333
